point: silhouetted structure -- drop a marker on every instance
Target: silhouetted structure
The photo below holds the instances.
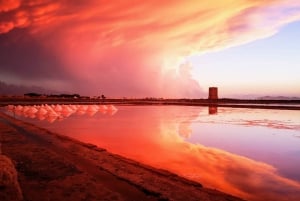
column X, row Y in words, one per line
column 213, row 93
column 33, row 95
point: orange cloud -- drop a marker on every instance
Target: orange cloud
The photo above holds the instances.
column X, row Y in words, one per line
column 7, row 5
column 122, row 40
column 189, row 27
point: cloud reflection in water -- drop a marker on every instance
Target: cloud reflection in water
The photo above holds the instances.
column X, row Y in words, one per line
column 217, row 168
column 158, row 136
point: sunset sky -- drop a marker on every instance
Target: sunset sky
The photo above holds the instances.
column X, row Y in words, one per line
column 170, row 49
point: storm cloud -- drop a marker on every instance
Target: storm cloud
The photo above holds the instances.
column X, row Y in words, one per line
column 126, row 48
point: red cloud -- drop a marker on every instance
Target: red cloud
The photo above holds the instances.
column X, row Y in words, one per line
column 7, row 5
column 134, row 48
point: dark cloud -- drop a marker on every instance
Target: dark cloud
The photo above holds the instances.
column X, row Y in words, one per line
column 23, row 56
column 10, row 89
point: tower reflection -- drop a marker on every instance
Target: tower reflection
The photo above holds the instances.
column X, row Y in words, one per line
column 212, row 109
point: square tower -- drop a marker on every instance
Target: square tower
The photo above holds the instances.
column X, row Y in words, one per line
column 213, row 93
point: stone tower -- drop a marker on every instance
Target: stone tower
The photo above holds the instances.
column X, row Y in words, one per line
column 213, row 93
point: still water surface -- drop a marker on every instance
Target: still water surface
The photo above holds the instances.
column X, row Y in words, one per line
column 251, row 153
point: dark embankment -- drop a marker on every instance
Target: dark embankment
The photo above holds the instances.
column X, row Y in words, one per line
column 238, row 103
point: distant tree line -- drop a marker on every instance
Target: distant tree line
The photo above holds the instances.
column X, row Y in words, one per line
column 33, row 95
column 53, row 95
column 37, row 95
column 64, row 96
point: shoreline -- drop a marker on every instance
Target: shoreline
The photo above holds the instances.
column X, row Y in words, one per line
column 285, row 105
column 53, row 165
column 279, row 104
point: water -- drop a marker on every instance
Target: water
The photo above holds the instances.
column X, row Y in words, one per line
column 250, row 153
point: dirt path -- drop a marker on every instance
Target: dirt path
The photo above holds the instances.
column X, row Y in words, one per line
column 54, row 167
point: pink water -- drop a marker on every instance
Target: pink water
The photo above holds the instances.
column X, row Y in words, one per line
column 251, row 153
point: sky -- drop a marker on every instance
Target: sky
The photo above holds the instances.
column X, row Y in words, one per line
column 169, row 49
